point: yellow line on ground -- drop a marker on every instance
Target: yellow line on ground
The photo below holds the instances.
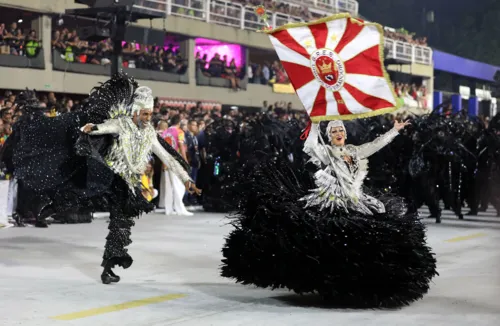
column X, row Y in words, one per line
column 118, row 307
column 466, row 237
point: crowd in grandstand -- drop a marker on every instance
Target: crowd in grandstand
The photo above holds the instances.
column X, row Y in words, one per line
column 412, row 95
column 15, row 41
column 403, row 36
column 267, row 73
column 72, row 49
column 283, row 7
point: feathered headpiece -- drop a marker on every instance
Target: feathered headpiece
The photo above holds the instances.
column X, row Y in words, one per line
column 143, row 99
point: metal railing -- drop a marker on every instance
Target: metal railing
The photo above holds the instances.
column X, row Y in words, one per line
column 407, row 52
column 335, row 6
column 195, row 9
column 243, row 17
column 152, row 5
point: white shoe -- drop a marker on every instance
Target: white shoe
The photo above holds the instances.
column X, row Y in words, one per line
column 186, row 213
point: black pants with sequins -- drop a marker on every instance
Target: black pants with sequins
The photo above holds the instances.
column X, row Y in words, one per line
column 115, row 251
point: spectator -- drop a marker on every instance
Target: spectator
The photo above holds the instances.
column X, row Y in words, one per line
column 231, row 74
column 193, row 154
column 148, row 191
column 216, row 67
column 32, row 44
column 162, row 127
column 175, row 136
column 266, row 73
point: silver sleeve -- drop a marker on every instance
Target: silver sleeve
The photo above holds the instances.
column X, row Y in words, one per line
column 368, row 149
column 111, row 126
column 314, row 149
column 170, row 161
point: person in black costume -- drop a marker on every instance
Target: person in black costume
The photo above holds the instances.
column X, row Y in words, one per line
column 321, row 233
column 488, row 170
column 234, row 151
column 98, row 169
column 443, row 162
column 28, row 203
column 222, row 154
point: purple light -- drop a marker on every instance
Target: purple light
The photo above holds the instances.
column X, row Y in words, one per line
column 211, row 47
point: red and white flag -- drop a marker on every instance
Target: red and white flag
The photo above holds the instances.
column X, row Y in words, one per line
column 336, row 67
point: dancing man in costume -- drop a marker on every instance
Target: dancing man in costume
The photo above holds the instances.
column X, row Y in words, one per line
column 128, row 158
column 99, row 169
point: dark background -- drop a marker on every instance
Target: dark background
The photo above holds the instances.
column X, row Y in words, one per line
column 467, row 28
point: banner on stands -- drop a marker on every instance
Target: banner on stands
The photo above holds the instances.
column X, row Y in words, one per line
column 283, row 88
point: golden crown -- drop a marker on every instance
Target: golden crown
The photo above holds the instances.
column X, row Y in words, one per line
column 326, row 68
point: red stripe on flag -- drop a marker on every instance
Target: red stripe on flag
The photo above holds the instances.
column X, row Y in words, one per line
column 341, row 107
column 366, row 63
column 299, row 75
column 319, row 106
column 320, row 34
column 287, row 40
column 369, row 101
column 351, row 31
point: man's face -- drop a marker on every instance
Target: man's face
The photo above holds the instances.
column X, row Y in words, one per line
column 193, row 127
column 144, row 117
column 7, row 118
column 7, row 129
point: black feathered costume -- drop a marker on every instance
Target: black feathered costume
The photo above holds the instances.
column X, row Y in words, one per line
column 67, row 169
column 316, row 231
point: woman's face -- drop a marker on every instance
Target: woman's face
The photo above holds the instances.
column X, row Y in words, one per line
column 338, row 136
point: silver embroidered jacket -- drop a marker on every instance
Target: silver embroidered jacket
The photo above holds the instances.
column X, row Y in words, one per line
column 131, row 151
column 339, row 185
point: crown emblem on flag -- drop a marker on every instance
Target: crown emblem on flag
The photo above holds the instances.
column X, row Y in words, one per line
column 326, row 68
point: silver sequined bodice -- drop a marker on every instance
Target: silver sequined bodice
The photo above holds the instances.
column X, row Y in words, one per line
column 339, row 184
column 131, row 151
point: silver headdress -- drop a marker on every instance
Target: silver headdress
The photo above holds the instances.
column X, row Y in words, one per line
column 143, row 99
column 332, row 124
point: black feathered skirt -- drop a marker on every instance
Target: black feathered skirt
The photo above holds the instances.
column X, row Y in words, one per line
column 351, row 259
